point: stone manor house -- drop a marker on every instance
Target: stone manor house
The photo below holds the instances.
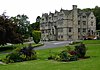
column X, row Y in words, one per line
column 72, row 24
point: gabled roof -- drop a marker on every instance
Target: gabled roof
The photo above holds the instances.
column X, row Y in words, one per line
column 45, row 15
column 66, row 12
column 80, row 13
column 52, row 14
column 56, row 11
column 88, row 13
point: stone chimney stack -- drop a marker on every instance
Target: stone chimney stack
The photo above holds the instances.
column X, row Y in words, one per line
column 75, row 23
column 74, row 7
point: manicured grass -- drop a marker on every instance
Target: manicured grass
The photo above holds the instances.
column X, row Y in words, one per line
column 91, row 41
column 92, row 63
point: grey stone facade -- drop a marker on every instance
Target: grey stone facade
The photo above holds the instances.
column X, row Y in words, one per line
column 67, row 24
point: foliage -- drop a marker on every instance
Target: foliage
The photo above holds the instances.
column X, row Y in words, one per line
column 35, row 26
column 8, row 32
column 52, row 55
column 63, row 55
column 36, row 36
column 21, row 54
column 70, row 55
column 23, row 25
column 80, row 50
column 28, row 52
column 38, row 19
column 6, row 48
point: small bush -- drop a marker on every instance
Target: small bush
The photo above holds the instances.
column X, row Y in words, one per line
column 36, row 36
column 6, row 48
column 72, row 52
column 14, row 57
column 63, row 56
column 51, row 57
column 73, row 58
column 81, row 50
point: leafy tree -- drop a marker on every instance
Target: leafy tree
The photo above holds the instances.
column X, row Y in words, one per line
column 96, row 11
column 35, row 26
column 36, row 36
column 23, row 25
column 38, row 19
column 8, row 32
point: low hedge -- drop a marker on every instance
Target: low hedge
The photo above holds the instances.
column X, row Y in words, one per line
column 5, row 48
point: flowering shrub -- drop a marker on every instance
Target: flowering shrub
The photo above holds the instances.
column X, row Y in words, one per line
column 81, row 50
column 64, row 56
column 21, row 54
column 71, row 55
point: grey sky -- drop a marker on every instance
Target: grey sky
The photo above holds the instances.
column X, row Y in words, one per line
column 34, row 8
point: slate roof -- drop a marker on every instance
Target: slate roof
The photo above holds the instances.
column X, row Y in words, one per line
column 80, row 13
column 46, row 15
column 66, row 12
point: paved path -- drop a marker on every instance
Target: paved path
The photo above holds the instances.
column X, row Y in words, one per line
column 53, row 44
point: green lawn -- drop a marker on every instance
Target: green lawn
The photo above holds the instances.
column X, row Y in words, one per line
column 92, row 63
column 91, row 41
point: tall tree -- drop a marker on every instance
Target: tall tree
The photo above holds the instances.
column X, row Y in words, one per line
column 96, row 11
column 8, row 32
column 38, row 19
column 36, row 25
column 23, row 25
